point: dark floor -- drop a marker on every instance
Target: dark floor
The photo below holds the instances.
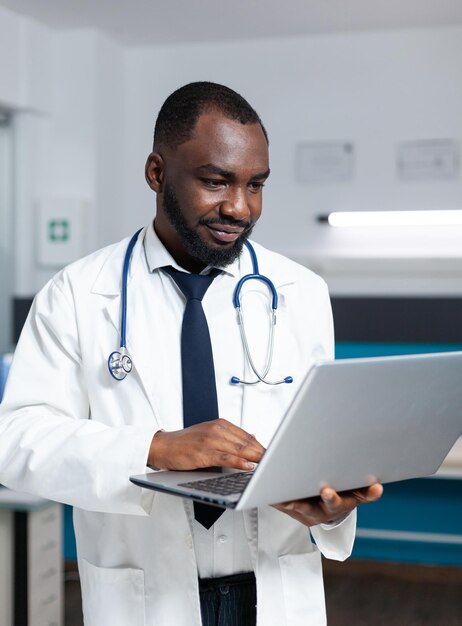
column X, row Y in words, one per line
column 364, row 593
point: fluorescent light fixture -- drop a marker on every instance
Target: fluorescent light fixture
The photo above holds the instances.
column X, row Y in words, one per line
column 372, row 219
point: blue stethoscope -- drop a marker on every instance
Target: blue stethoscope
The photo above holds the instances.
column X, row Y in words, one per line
column 120, row 363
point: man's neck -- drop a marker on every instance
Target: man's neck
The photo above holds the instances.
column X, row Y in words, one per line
column 168, row 237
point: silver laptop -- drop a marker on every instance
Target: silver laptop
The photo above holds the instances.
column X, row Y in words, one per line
column 352, row 422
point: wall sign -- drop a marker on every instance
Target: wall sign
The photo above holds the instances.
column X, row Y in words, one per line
column 61, row 224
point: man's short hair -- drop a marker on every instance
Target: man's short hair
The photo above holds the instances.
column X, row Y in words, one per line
column 179, row 113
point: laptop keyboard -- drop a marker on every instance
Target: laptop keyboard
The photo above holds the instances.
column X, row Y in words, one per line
column 223, row 485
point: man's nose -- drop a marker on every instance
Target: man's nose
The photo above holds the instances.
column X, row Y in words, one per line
column 236, row 204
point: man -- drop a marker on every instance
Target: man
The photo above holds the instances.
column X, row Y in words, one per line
column 71, row 433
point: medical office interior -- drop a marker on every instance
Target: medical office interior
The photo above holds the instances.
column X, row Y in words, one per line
column 363, row 105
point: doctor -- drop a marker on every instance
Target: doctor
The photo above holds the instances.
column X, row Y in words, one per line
column 72, row 433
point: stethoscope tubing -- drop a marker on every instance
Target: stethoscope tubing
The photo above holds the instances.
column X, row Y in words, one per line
column 119, row 362
column 261, row 377
column 123, row 320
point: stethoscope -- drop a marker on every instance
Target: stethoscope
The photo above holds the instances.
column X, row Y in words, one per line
column 120, row 363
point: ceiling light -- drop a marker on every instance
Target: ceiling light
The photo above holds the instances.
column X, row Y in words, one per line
column 372, row 219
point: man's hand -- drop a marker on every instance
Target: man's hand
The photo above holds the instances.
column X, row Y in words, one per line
column 210, row 444
column 330, row 507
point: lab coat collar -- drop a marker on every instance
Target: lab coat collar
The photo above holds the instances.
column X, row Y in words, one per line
column 149, row 252
column 109, row 279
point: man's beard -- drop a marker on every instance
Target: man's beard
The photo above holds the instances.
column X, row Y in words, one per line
column 193, row 244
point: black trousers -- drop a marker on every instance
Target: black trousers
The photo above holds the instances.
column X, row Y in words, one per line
column 229, row 601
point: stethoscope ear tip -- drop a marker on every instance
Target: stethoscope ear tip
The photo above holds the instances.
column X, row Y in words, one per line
column 235, row 380
column 288, row 379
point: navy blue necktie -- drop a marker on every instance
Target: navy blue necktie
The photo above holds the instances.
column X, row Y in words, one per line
column 200, row 403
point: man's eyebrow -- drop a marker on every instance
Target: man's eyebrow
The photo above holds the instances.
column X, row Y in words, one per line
column 210, row 168
column 261, row 175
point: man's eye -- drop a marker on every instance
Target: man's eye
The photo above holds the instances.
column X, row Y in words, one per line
column 212, row 183
column 256, row 186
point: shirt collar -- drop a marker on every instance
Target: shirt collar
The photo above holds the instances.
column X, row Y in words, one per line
column 158, row 256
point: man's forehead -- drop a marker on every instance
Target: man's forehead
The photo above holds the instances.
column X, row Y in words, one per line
column 218, row 122
column 218, row 139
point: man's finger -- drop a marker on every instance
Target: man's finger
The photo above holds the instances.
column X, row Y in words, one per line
column 332, row 500
column 335, row 502
column 368, row 494
column 231, row 438
column 223, row 459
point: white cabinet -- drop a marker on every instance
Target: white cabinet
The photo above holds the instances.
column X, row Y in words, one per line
column 31, row 572
column 6, row 567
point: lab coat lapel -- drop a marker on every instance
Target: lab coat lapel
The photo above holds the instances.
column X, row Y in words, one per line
column 109, row 284
column 113, row 308
column 137, row 345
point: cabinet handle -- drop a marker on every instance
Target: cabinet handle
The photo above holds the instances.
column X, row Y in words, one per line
column 49, row 546
column 49, row 573
column 51, row 598
column 49, row 518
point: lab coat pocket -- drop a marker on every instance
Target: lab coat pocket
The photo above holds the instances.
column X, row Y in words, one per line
column 112, row 596
column 303, row 589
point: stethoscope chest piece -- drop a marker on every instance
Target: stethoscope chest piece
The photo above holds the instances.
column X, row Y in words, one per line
column 119, row 364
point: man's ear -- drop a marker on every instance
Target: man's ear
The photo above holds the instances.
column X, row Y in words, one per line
column 155, row 172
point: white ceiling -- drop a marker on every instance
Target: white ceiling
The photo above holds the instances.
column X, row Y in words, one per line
column 150, row 22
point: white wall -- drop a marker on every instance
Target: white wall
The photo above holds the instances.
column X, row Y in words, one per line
column 25, row 89
column 65, row 90
column 6, row 235
column 88, row 128
column 374, row 89
column 85, row 109
column 24, row 62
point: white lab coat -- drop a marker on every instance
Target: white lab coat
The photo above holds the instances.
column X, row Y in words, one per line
column 71, row 433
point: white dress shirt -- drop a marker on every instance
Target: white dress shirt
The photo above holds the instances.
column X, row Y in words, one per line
column 223, row 549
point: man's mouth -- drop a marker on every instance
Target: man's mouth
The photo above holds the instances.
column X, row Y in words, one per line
column 224, row 233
